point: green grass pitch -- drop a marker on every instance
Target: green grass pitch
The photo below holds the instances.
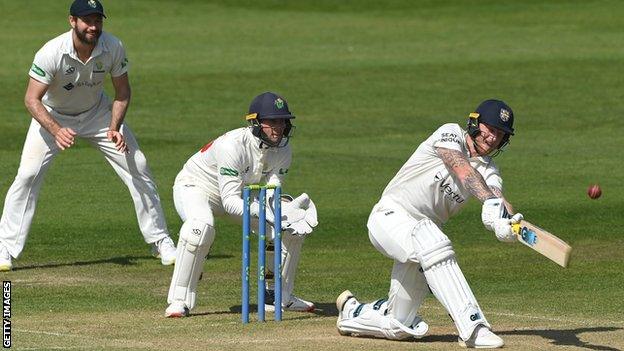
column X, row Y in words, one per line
column 368, row 81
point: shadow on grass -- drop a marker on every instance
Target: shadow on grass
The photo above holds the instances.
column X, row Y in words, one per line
column 568, row 337
column 212, row 313
column 326, row 309
column 121, row 261
column 564, row 337
column 322, row 309
column 238, row 309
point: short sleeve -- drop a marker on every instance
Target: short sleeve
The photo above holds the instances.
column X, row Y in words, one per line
column 43, row 68
column 229, row 176
column 120, row 61
column 449, row 136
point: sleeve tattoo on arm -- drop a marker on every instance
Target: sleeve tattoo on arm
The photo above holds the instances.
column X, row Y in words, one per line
column 499, row 193
column 459, row 165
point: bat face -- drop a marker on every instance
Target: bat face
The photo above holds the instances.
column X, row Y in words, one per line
column 543, row 242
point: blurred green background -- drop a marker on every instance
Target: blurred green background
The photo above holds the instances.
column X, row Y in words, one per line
column 368, row 81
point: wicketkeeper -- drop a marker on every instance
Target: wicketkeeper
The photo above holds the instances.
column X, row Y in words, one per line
column 405, row 225
column 210, row 184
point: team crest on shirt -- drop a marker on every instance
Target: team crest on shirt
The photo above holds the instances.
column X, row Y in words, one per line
column 98, row 67
column 504, row 115
column 70, row 70
column 92, row 3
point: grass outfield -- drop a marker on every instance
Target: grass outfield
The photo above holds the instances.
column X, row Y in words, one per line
column 368, row 82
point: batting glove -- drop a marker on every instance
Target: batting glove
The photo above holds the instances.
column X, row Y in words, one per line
column 492, row 210
column 503, row 228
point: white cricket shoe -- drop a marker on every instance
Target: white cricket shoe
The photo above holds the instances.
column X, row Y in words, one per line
column 165, row 250
column 294, row 304
column 177, row 309
column 349, row 308
column 5, row 259
column 482, row 338
column 345, row 303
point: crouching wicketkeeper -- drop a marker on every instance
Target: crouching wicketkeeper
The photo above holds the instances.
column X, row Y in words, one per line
column 210, row 184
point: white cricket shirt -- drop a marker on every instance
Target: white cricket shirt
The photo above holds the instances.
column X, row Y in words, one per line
column 76, row 87
column 425, row 188
column 223, row 166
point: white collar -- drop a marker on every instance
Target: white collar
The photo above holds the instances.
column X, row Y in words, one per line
column 67, row 46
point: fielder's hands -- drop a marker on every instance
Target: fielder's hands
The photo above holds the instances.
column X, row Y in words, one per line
column 117, row 138
column 64, row 138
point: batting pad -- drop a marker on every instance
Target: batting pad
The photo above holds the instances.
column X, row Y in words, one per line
column 445, row 278
column 196, row 237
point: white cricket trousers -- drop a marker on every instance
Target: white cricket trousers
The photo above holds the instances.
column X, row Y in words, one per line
column 37, row 156
column 423, row 258
column 194, row 202
column 390, row 231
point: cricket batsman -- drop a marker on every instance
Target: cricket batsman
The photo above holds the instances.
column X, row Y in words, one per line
column 405, row 225
column 210, row 184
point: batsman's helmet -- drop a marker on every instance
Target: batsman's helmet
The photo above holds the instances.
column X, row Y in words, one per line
column 494, row 113
column 270, row 106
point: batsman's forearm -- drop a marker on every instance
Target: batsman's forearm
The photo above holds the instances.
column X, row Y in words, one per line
column 40, row 114
column 458, row 164
column 475, row 183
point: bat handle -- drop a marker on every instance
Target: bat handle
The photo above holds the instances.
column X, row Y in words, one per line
column 516, row 228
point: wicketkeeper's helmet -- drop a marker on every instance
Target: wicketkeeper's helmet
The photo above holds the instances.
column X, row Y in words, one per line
column 270, row 106
column 494, row 113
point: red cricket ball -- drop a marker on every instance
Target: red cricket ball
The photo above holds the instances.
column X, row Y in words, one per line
column 594, row 191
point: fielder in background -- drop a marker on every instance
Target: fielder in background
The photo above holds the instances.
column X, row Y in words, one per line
column 65, row 97
column 405, row 225
column 210, row 184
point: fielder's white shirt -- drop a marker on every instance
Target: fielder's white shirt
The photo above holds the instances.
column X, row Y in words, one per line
column 425, row 188
column 76, row 87
column 235, row 159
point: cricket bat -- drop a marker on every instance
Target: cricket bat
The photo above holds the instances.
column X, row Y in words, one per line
column 543, row 242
